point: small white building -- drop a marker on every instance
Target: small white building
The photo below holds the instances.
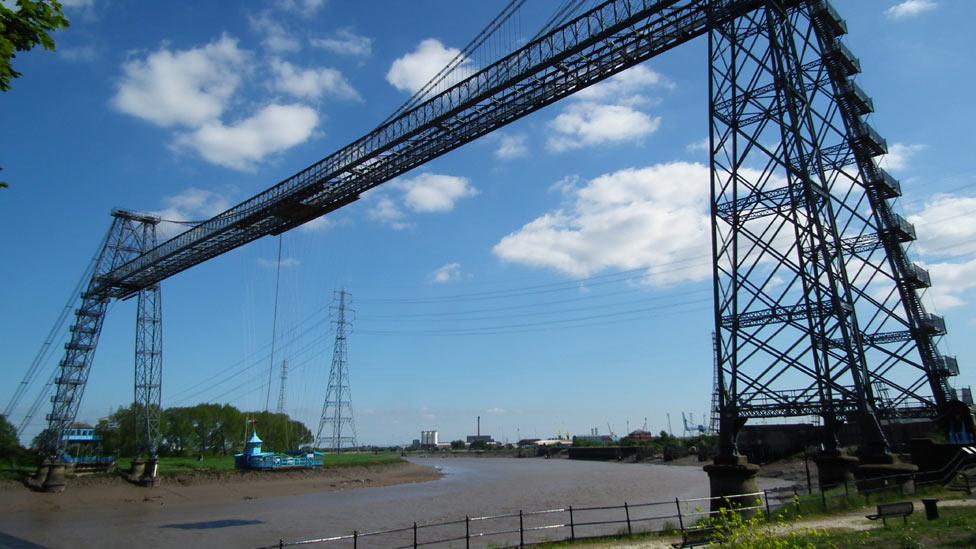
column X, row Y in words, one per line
column 428, row 438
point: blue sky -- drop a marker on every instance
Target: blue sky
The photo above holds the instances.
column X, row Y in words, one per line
column 550, row 277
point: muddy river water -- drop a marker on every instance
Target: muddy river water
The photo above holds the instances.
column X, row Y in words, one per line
column 470, row 486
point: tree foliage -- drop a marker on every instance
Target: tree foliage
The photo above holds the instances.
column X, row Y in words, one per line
column 204, row 429
column 9, row 443
column 22, row 28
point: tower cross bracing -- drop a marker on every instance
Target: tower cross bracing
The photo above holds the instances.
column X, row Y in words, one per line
column 816, row 296
column 337, row 427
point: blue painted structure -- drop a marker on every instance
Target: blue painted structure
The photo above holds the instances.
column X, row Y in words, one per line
column 254, row 459
column 80, row 434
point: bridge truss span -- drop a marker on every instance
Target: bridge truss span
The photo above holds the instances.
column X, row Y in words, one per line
column 817, row 308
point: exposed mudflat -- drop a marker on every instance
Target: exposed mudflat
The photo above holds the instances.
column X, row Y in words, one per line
column 258, row 510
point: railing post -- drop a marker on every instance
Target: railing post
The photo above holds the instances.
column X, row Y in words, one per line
column 467, row 532
column 572, row 525
column 521, row 531
column 355, row 539
column 415, row 535
column 681, row 522
column 627, row 511
column 766, row 495
column 806, row 465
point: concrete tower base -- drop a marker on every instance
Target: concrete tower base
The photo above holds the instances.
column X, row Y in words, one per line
column 731, row 477
column 37, row 481
column 885, row 471
column 138, row 470
column 55, row 478
column 150, row 476
column 835, row 468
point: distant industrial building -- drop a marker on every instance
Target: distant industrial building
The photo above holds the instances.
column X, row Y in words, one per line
column 478, row 437
column 639, row 435
column 595, row 437
column 428, row 439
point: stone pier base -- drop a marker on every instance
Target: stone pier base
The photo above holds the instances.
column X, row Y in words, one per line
column 731, row 477
column 40, row 476
column 150, row 475
column 885, row 471
column 55, row 478
column 835, row 468
column 137, row 471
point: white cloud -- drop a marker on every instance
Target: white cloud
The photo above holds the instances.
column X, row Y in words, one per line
column 412, row 71
column 607, row 113
column 388, row 213
column 286, row 263
column 80, row 54
column 910, row 8
column 447, row 273
column 428, row 192
column 950, row 281
column 698, row 146
column 898, row 156
column 648, row 218
column 239, row 146
column 317, row 225
column 583, row 124
column 424, row 193
column 304, row 7
column 277, row 39
column 627, row 86
column 566, row 185
column 345, row 42
column 511, row 147
column 946, row 226
column 191, row 204
column 312, row 83
column 184, row 87
column 496, row 410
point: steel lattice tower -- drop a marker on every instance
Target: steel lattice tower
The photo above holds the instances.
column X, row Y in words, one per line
column 129, row 236
column 281, row 388
column 149, row 365
column 817, row 308
column 337, row 429
column 815, row 298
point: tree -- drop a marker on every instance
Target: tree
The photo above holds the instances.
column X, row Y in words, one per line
column 24, row 28
column 457, row 445
column 9, row 443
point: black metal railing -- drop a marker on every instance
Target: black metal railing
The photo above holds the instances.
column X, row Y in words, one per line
column 516, row 529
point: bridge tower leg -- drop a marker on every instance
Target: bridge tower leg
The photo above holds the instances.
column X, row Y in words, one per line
column 798, row 254
column 129, row 236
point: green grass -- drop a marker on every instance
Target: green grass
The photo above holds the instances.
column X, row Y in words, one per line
column 175, row 466
column 956, row 527
column 15, row 471
column 209, row 465
column 360, row 460
column 839, row 501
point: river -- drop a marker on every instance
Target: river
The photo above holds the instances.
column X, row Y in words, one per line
column 470, row 486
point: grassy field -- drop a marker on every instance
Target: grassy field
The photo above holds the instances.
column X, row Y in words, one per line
column 11, row 471
column 173, row 466
column 956, row 527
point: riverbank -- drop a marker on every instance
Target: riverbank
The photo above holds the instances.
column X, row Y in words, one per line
column 209, row 487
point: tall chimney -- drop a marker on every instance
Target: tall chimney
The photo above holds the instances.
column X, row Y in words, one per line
column 479, row 426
